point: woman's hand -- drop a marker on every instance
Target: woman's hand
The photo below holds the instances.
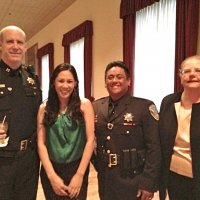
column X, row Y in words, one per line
column 75, row 184
column 58, row 186
column 145, row 195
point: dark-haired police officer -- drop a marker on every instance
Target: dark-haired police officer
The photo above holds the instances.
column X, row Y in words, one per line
column 128, row 149
column 20, row 97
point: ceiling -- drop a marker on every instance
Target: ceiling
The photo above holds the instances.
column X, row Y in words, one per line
column 31, row 15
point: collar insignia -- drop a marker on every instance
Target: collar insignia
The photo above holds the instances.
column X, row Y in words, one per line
column 8, row 69
column 30, row 81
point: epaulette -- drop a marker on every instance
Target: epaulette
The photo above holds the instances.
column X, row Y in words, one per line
column 100, row 98
column 28, row 76
column 30, row 69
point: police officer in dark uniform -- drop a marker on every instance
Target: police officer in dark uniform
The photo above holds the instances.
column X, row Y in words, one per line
column 128, row 149
column 20, row 97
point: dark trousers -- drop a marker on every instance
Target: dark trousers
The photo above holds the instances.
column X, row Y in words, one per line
column 19, row 176
column 114, row 187
column 180, row 187
column 66, row 172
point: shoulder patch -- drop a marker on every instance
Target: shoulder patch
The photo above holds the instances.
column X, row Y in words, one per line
column 153, row 111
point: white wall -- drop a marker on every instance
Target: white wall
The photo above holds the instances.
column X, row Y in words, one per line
column 107, row 36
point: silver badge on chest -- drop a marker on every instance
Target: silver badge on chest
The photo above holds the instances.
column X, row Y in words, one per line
column 128, row 119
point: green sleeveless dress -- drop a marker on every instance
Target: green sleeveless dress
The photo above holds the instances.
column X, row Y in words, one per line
column 65, row 142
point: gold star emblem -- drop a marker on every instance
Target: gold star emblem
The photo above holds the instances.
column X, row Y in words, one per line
column 30, row 81
column 128, row 117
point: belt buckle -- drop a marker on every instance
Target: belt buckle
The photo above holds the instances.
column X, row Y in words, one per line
column 23, row 145
column 112, row 159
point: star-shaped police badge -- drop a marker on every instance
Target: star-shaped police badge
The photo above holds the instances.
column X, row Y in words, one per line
column 128, row 119
column 30, row 81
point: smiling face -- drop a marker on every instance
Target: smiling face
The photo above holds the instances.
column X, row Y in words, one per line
column 13, row 46
column 190, row 73
column 64, row 85
column 116, row 82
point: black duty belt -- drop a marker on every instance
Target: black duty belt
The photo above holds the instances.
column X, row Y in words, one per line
column 128, row 159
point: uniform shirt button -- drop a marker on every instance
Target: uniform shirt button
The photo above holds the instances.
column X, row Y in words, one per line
column 108, row 151
column 127, row 132
column 134, row 172
column 1, row 92
column 108, row 137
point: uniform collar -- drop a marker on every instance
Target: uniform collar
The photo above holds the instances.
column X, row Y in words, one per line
column 121, row 99
column 9, row 70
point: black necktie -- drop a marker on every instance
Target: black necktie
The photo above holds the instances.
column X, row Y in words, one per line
column 111, row 108
column 15, row 72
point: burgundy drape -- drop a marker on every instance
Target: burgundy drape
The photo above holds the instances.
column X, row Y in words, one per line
column 67, row 54
column 83, row 30
column 47, row 49
column 187, row 21
column 128, row 10
column 128, row 45
column 128, row 7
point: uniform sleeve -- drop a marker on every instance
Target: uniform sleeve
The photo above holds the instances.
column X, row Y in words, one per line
column 150, row 177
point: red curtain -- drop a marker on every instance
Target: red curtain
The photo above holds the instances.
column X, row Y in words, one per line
column 129, row 7
column 128, row 45
column 83, row 30
column 67, row 54
column 187, row 21
column 47, row 49
column 128, row 10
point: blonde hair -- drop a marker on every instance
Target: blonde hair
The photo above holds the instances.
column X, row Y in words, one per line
column 194, row 57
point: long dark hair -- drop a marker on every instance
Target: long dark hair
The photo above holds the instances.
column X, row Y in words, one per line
column 53, row 103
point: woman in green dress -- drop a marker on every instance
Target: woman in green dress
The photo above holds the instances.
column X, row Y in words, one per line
column 65, row 137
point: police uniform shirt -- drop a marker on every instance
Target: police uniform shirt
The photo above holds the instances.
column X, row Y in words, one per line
column 19, row 101
column 134, row 125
